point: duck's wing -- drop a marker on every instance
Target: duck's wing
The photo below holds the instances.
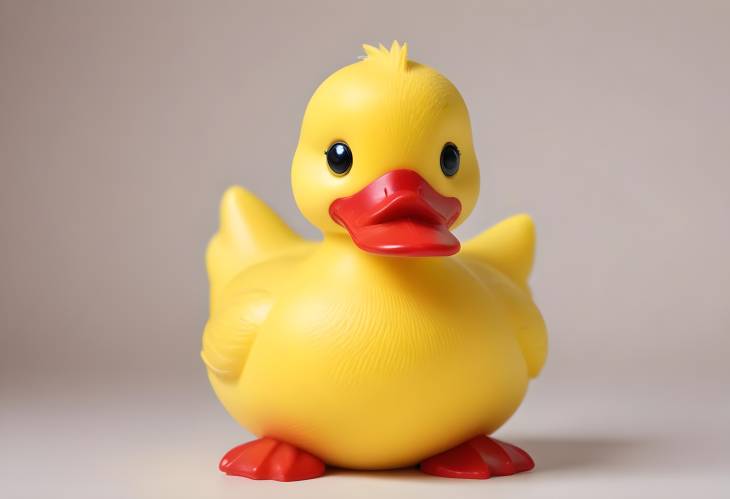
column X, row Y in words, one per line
column 508, row 246
column 249, row 232
column 230, row 333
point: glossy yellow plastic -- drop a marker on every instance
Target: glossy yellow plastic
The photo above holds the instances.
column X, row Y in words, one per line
column 371, row 361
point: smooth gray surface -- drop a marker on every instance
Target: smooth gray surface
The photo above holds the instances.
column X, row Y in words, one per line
column 590, row 438
column 122, row 122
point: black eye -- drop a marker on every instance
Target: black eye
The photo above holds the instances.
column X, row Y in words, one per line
column 450, row 160
column 339, row 158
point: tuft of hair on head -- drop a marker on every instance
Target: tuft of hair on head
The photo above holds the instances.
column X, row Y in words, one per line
column 396, row 57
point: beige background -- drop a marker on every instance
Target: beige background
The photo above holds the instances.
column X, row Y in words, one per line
column 121, row 124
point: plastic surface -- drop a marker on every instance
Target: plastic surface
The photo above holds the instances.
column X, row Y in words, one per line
column 370, row 360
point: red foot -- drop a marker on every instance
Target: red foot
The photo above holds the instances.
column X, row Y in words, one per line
column 269, row 459
column 481, row 457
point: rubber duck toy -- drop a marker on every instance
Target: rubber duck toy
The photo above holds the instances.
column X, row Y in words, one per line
column 388, row 344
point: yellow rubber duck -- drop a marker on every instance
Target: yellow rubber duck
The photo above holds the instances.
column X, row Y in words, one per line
column 387, row 344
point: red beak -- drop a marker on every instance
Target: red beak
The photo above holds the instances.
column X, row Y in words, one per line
column 399, row 213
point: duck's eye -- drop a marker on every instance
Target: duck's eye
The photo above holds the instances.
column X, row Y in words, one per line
column 450, row 160
column 339, row 158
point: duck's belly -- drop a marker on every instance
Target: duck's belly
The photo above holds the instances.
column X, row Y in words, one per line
column 380, row 377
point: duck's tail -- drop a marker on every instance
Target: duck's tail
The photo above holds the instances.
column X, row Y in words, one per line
column 249, row 232
column 508, row 246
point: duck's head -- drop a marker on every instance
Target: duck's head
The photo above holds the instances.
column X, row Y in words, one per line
column 385, row 156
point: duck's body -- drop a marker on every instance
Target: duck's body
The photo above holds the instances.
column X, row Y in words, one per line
column 358, row 356
column 363, row 359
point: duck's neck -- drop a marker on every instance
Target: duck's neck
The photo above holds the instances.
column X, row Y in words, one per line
column 339, row 240
column 340, row 247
